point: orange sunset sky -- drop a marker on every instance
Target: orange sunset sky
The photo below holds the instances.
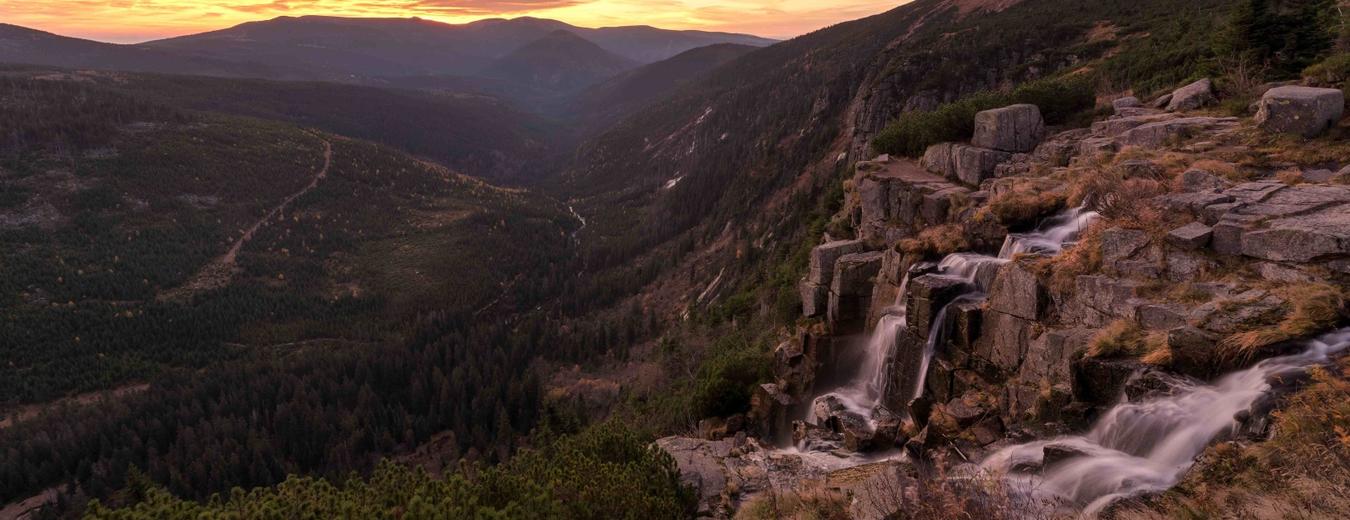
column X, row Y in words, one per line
column 127, row 21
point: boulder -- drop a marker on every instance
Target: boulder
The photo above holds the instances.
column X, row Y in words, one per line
column 815, row 298
column 1305, row 238
column 1119, row 245
column 1238, row 312
column 823, row 257
column 1016, row 292
column 1154, row 384
column 1195, row 203
column 1161, row 316
column 833, row 414
column 1211, row 214
column 1005, row 341
column 1193, row 96
column 1053, row 454
column 1118, row 125
column 1126, row 102
column 1050, row 355
column 1192, row 350
column 1196, row 180
column 1161, row 101
column 1317, row 175
column 928, row 294
column 1016, row 128
column 1098, row 300
column 815, row 438
column 1254, row 192
column 1099, row 382
column 898, row 201
column 1228, row 231
column 1300, row 200
column 851, row 287
column 769, row 407
column 700, row 466
column 1183, row 266
column 1155, row 135
column 1191, row 236
column 967, row 164
column 1305, row 111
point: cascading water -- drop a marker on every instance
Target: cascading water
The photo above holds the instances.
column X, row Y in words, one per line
column 865, row 391
column 1141, row 447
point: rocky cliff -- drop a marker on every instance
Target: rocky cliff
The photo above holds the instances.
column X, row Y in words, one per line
column 1138, row 258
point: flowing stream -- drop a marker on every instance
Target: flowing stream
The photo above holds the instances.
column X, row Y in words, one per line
column 1134, row 448
column 869, row 386
column 1146, row 446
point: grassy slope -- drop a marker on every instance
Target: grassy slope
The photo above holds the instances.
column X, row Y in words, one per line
column 138, row 206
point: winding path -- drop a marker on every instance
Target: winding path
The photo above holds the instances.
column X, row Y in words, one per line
column 217, row 273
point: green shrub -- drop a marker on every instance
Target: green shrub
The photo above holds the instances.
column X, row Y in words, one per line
column 607, row 471
column 1059, row 99
column 726, row 379
column 1332, row 72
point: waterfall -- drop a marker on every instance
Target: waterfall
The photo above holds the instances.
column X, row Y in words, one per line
column 869, row 385
column 1141, row 447
column 1052, row 236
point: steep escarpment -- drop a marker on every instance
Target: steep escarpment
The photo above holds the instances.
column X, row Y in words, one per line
column 733, row 147
column 1160, row 280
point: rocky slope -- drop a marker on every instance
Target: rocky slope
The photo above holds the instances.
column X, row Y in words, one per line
column 1162, row 247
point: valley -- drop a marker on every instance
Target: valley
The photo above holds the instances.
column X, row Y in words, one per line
column 998, row 259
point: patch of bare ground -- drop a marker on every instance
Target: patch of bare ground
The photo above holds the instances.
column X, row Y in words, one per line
column 218, row 273
column 27, row 412
column 28, row 507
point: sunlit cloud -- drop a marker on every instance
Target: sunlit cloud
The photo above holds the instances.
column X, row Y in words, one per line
column 139, row 20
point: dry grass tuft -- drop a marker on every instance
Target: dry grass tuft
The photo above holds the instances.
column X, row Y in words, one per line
column 1226, row 170
column 1021, row 206
column 1085, row 257
column 1316, row 307
column 1291, row 176
column 1122, row 338
column 1159, row 352
column 936, row 241
column 811, row 503
column 1303, row 471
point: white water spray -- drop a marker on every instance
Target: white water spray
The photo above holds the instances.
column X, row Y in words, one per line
column 1142, row 447
column 871, row 383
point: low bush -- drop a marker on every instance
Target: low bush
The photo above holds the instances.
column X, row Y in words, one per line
column 726, row 379
column 1059, row 99
column 1331, row 72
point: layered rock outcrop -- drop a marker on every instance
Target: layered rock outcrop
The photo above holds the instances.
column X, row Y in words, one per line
column 1192, row 254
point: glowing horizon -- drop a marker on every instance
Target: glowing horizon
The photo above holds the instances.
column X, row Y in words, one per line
column 134, row 21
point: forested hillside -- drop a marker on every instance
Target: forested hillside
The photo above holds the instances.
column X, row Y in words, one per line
column 252, row 299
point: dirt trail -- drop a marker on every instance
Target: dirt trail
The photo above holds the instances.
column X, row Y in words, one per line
column 217, row 274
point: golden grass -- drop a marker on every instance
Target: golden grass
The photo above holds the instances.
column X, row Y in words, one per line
column 1159, row 353
column 1021, row 206
column 1085, row 257
column 1303, row 471
column 810, row 503
column 1122, row 338
column 1290, row 176
column 936, row 241
column 1226, row 170
column 1315, row 308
